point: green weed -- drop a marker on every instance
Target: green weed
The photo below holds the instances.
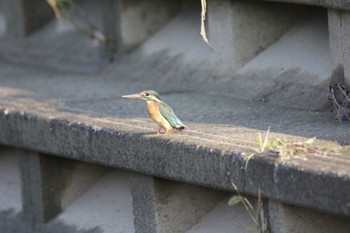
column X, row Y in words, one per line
column 285, row 147
column 256, row 213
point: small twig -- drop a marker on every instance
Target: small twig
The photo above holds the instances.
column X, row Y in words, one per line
column 53, row 4
column 203, row 32
column 342, row 89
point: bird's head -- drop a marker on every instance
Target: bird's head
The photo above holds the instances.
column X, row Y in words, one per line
column 146, row 95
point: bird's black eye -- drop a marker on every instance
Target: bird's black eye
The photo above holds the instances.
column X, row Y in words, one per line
column 147, row 94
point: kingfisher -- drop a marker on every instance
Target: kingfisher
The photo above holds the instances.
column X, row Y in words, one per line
column 159, row 111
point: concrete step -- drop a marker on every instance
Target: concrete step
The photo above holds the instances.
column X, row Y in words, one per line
column 107, row 206
column 224, row 219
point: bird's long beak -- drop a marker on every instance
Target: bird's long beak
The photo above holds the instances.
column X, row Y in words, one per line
column 134, row 96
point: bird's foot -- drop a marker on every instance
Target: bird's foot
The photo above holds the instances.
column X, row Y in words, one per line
column 159, row 133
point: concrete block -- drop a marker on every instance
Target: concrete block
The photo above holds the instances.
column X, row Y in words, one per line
column 10, row 185
column 239, row 30
column 2, row 21
column 284, row 219
column 180, row 38
column 339, row 34
column 294, row 70
column 106, row 206
column 112, row 27
column 132, row 22
column 165, row 206
column 49, row 184
column 32, row 196
column 24, row 17
column 225, row 219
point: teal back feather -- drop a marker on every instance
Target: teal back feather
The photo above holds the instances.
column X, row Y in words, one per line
column 170, row 116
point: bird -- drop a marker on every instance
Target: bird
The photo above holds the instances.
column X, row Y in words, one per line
column 159, row 111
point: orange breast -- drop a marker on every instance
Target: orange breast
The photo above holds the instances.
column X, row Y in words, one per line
column 154, row 113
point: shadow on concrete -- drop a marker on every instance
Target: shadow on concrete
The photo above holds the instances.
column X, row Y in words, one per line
column 202, row 110
column 11, row 222
column 292, row 102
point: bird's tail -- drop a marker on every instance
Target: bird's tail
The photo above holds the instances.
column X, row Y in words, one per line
column 180, row 126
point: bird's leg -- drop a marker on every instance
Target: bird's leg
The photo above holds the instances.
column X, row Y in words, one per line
column 158, row 131
column 166, row 132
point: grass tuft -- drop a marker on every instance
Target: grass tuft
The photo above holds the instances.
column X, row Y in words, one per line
column 288, row 148
column 263, row 143
column 256, row 213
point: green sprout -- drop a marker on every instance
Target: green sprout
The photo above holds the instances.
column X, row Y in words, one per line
column 255, row 213
column 284, row 147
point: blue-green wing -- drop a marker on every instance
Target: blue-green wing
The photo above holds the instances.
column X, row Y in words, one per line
column 169, row 115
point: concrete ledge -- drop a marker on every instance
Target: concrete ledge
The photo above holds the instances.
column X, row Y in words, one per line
column 214, row 152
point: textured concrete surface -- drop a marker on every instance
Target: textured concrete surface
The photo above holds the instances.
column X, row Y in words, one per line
column 10, row 183
column 339, row 30
column 284, row 218
column 144, row 203
column 81, row 118
column 240, row 30
column 294, row 71
column 162, row 206
column 11, row 222
column 57, row 46
column 225, row 219
column 2, row 23
column 140, row 19
column 23, row 18
column 38, row 206
column 107, row 206
column 179, row 39
column 50, row 184
column 81, row 177
column 339, row 4
column 176, row 55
